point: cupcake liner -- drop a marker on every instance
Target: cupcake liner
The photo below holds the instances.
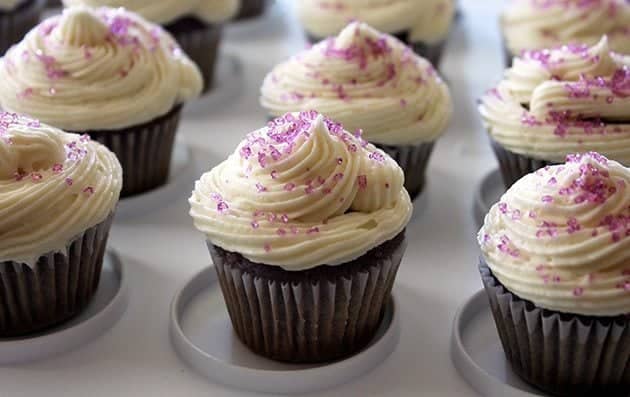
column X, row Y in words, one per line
column 57, row 288
column 514, row 166
column 309, row 316
column 414, row 161
column 200, row 42
column 16, row 23
column 562, row 354
column 144, row 151
column 251, row 9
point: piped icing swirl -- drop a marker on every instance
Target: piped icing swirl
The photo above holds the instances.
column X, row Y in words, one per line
column 427, row 21
column 53, row 186
column 535, row 24
column 8, row 5
column 365, row 80
column 166, row 11
column 560, row 237
column 301, row 193
column 555, row 102
column 96, row 69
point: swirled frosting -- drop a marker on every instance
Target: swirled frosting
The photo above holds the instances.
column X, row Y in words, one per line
column 427, row 21
column 8, row 5
column 560, row 237
column 555, row 102
column 166, row 11
column 535, row 24
column 301, row 193
column 91, row 69
column 365, row 80
column 53, row 186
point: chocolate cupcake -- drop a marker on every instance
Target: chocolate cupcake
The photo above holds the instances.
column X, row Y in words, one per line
column 195, row 25
column 251, row 9
column 375, row 86
column 536, row 25
column 17, row 17
column 555, row 102
column 423, row 25
column 556, row 267
column 59, row 192
column 108, row 73
column 53, row 3
column 305, row 224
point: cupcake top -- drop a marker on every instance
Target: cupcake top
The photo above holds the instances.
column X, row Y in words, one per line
column 535, row 24
column 560, row 237
column 166, row 11
column 96, row 69
column 555, row 102
column 366, row 80
column 8, row 5
column 53, row 187
column 300, row 193
column 426, row 21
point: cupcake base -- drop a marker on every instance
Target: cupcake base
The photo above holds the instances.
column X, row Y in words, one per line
column 562, row 354
column 251, row 9
column 414, row 161
column 16, row 23
column 144, row 151
column 200, row 42
column 57, row 288
column 514, row 166
column 309, row 316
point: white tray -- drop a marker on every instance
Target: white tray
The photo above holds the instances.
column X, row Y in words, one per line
column 203, row 337
column 102, row 313
column 478, row 355
column 487, row 194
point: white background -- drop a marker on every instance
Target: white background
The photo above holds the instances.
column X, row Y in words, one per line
column 162, row 250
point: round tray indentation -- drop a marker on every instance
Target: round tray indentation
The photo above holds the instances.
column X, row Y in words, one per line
column 487, row 194
column 202, row 335
column 477, row 353
column 102, row 313
column 183, row 174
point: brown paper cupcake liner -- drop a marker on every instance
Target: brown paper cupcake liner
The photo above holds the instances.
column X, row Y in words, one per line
column 251, row 9
column 414, row 161
column 57, row 288
column 200, row 41
column 514, row 166
column 562, row 354
column 144, row 151
column 309, row 316
column 16, row 23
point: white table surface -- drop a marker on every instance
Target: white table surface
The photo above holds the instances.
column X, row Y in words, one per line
column 162, row 250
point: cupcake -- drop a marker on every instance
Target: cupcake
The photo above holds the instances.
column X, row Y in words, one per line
column 58, row 193
column 110, row 74
column 251, row 9
column 556, row 267
column 375, row 86
column 555, row 102
column 424, row 25
column 536, row 25
column 305, row 224
column 17, row 17
column 53, row 3
column 195, row 24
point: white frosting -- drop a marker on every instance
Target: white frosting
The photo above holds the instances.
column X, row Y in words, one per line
column 535, row 24
column 560, row 237
column 166, row 11
column 426, row 21
column 53, row 187
column 365, row 80
column 552, row 103
column 8, row 5
column 302, row 193
column 102, row 69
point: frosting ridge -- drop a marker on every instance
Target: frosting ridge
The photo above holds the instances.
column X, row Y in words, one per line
column 366, row 80
column 96, row 69
column 53, row 186
column 301, row 193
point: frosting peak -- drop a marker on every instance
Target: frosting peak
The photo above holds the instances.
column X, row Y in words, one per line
column 560, row 237
column 300, row 193
column 367, row 80
column 81, row 26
